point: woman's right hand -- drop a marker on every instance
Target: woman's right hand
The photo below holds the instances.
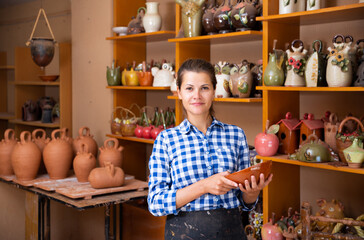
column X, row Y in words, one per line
column 218, row 184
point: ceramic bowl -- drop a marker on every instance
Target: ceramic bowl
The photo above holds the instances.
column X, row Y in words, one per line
column 121, row 31
column 256, row 170
column 49, row 78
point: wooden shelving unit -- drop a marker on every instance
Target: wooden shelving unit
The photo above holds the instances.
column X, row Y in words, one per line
column 35, row 123
column 145, row 37
column 133, row 139
column 232, row 100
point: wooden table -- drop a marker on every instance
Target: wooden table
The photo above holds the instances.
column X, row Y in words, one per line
column 109, row 201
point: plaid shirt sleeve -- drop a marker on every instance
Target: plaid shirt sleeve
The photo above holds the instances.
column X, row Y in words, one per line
column 161, row 197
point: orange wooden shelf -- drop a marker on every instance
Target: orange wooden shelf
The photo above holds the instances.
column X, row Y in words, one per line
column 35, row 123
column 149, row 37
column 134, row 139
column 312, row 89
column 241, row 100
column 6, row 116
column 35, row 83
column 138, row 88
column 284, row 159
column 323, row 15
column 7, row 67
column 223, row 38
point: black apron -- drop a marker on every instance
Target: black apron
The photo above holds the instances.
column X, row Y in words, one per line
column 224, row 224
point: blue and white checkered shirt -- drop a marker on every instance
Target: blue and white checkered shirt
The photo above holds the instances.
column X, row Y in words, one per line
column 183, row 155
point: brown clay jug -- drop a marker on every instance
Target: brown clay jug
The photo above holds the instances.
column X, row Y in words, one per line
column 6, row 147
column 84, row 136
column 111, row 153
column 83, row 163
column 108, row 176
column 58, row 155
column 26, row 158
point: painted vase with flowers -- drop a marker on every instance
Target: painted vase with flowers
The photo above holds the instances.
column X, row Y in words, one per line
column 296, row 65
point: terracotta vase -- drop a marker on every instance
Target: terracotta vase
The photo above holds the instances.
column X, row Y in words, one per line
column 145, row 77
column 106, row 177
column 111, row 153
column 222, row 21
column 58, row 155
column 6, row 148
column 241, row 81
column 26, row 158
column 191, row 13
column 296, row 65
column 84, row 136
column 41, row 141
column 208, row 18
column 83, row 163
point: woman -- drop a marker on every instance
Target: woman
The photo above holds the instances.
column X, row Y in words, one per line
column 189, row 163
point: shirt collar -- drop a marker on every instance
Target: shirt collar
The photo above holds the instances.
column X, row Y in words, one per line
column 186, row 126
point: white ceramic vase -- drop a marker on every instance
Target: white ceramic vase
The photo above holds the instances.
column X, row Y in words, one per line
column 335, row 76
column 152, row 21
column 287, row 6
column 313, row 5
column 222, row 86
column 296, row 65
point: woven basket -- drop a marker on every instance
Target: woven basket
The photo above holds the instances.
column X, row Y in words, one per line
column 114, row 125
column 341, row 145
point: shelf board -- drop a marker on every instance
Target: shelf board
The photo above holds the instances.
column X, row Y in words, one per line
column 6, row 116
column 138, row 88
column 36, row 83
column 149, row 37
column 223, row 38
column 7, row 67
column 284, row 159
column 35, row 123
column 134, row 139
column 311, row 89
column 324, row 15
column 241, row 100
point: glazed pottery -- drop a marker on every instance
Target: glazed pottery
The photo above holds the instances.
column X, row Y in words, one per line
column 191, row 12
column 106, row 177
column 111, row 153
column 266, row 144
column 208, row 18
column 163, row 77
column 257, row 72
column 42, row 50
column 354, row 154
column 85, row 137
column 309, row 125
column 288, row 134
column 131, row 78
column 331, row 127
column 222, row 74
column 243, row 15
column 315, row 72
column 241, row 80
column 287, row 6
column 83, row 163
column 58, row 155
column 222, row 21
column 274, row 74
column 270, row 230
column 31, row 111
column 145, row 77
column 352, row 54
column 135, row 26
column 360, row 72
column 296, row 65
column 313, row 150
column 6, row 148
column 313, row 5
column 152, row 21
column 26, row 158
column 255, row 170
column 339, row 69
column 113, row 75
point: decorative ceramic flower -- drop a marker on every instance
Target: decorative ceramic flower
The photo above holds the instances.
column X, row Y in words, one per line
column 297, row 65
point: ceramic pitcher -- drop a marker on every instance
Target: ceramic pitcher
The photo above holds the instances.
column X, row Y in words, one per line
column 241, row 80
column 83, row 163
column 6, row 148
column 315, row 72
column 84, row 136
column 222, row 74
column 339, row 69
column 152, row 20
column 26, row 158
column 111, row 152
column 296, row 64
column 274, row 74
column 354, row 154
column 191, row 17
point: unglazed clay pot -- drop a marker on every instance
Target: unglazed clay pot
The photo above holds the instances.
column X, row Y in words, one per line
column 58, row 155
column 84, row 136
column 26, row 158
column 106, row 177
column 111, row 153
column 83, row 163
column 6, row 147
column 41, row 141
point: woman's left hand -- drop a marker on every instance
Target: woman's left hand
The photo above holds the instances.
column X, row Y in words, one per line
column 251, row 191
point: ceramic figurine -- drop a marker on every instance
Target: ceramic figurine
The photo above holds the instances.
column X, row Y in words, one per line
column 191, row 17
column 135, row 26
column 208, row 18
column 313, row 150
column 113, row 75
column 241, row 80
column 163, row 77
column 222, row 73
column 296, row 63
column 308, row 126
column 354, row 154
column 6, row 147
column 152, row 20
column 243, row 15
column 339, row 69
column 313, row 5
column 222, row 21
column 333, row 209
column 274, row 73
column 360, row 72
column 315, row 72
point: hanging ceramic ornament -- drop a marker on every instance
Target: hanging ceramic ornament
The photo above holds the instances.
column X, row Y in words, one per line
column 41, row 48
column 315, row 72
column 296, row 64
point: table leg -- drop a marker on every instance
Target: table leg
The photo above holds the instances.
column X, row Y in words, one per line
column 43, row 218
column 107, row 222
column 40, row 218
column 120, row 221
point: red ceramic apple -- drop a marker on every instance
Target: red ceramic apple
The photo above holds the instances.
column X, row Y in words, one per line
column 138, row 131
column 146, row 132
column 267, row 143
column 155, row 131
column 271, row 231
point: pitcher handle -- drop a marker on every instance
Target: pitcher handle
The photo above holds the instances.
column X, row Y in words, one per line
column 114, row 140
column 81, row 131
column 7, row 134
column 42, row 131
column 25, row 136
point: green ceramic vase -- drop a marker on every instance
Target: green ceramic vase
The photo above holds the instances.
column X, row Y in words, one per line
column 354, row 154
column 274, row 74
column 113, row 75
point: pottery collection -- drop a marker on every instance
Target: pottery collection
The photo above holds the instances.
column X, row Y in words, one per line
column 191, row 12
column 106, row 177
column 83, row 163
column 111, row 152
column 152, row 21
column 26, row 158
column 85, row 137
column 296, row 62
column 6, row 147
column 222, row 21
column 243, row 15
